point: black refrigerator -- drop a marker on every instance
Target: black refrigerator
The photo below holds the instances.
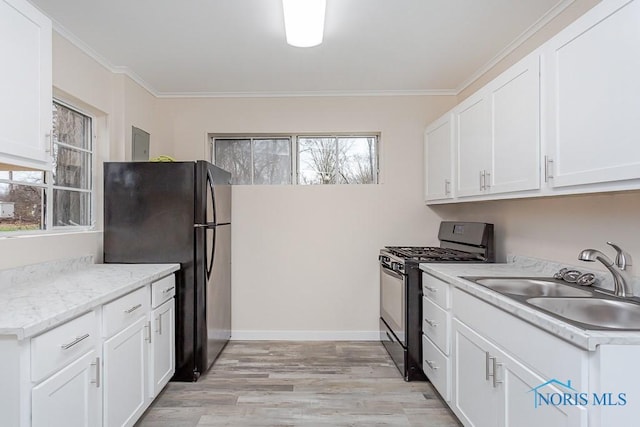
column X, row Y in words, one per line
column 177, row 212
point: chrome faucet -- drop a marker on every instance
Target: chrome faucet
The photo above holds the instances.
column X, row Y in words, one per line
column 620, row 269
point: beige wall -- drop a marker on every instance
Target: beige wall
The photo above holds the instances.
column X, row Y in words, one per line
column 117, row 103
column 558, row 228
column 305, row 257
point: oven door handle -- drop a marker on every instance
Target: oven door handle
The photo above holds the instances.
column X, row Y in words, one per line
column 391, row 272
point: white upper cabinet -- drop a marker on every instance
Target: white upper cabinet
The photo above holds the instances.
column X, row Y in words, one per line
column 25, row 85
column 473, row 144
column 497, row 134
column 438, row 151
column 592, row 90
column 515, row 124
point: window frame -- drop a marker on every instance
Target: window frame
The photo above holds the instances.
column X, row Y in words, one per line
column 294, row 179
column 48, row 185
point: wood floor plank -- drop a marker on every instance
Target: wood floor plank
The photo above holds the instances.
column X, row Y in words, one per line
column 271, row 383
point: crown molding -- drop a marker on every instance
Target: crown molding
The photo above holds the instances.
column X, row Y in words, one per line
column 545, row 19
column 306, row 94
column 517, row 42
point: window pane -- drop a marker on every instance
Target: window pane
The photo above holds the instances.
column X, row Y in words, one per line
column 21, row 207
column 317, row 160
column 234, row 155
column 71, row 208
column 271, row 161
column 28, row 177
column 357, row 160
column 71, row 168
column 71, row 127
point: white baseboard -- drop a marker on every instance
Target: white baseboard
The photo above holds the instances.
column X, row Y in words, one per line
column 305, row 335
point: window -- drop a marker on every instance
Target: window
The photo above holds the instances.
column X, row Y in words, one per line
column 62, row 197
column 255, row 160
column 322, row 159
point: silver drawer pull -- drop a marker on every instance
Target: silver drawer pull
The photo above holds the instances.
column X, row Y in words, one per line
column 132, row 309
column 431, row 323
column 74, row 342
column 166, row 291
column 430, row 289
column 431, row 364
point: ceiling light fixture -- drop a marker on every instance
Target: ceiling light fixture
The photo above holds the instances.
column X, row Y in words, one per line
column 304, row 21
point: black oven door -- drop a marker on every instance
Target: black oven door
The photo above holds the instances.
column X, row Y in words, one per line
column 392, row 298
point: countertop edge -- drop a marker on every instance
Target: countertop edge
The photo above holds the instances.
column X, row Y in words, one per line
column 31, row 330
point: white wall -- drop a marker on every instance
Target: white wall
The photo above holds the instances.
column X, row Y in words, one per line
column 305, row 257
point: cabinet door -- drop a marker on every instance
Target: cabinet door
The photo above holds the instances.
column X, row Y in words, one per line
column 125, row 374
column 70, row 397
column 25, row 85
column 515, row 115
column 593, row 97
column 518, row 381
column 476, row 401
column 473, row 144
column 438, row 147
column 162, row 360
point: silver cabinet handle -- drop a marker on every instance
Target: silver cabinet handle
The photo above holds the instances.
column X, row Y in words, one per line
column 159, row 323
column 132, row 309
column 431, row 323
column 495, row 372
column 74, row 342
column 486, row 366
column 149, row 333
column 431, row 364
column 548, row 168
column 487, row 180
column 166, row 291
column 481, row 180
column 447, row 186
column 97, row 365
column 430, row 289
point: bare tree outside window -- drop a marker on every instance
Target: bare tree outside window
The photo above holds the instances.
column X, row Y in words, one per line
column 337, row 160
column 255, row 160
column 21, row 200
column 72, row 154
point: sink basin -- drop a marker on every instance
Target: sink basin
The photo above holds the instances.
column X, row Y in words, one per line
column 531, row 287
column 603, row 313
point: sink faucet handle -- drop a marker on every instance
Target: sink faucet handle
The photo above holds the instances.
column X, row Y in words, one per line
column 623, row 259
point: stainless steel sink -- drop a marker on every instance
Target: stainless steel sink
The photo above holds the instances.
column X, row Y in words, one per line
column 600, row 312
column 530, row 287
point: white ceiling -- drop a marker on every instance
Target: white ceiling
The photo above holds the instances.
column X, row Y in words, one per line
column 237, row 47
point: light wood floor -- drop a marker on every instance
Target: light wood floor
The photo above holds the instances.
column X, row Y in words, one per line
column 273, row 383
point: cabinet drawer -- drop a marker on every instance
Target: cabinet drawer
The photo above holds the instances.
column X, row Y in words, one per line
column 436, row 290
column 122, row 312
column 60, row 346
column 163, row 290
column 436, row 324
column 436, row 367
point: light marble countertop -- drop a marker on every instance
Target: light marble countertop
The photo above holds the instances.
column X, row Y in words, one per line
column 38, row 297
column 528, row 267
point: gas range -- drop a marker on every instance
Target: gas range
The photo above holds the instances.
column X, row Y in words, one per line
column 434, row 254
column 401, row 287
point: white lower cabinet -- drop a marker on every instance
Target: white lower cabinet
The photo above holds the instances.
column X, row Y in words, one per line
column 493, row 389
column 101, row 368
column 125, row 374
column 162, row 357
column 70, row 397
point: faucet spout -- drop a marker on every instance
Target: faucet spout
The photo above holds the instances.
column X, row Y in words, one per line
column 621, row 277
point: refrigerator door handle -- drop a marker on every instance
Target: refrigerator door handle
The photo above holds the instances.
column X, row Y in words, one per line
column 212, row 251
